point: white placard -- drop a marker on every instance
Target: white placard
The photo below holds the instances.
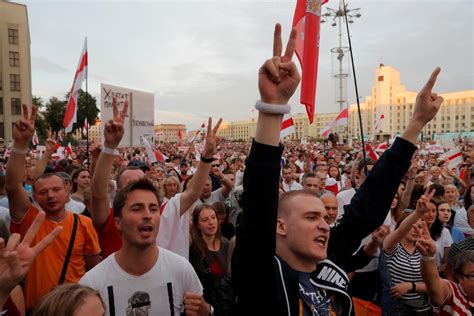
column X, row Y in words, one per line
column 140, row 118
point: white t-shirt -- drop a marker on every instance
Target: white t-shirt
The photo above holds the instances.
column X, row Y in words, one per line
column 239, row 178
column 292, row 187
column 445, row 240
column 75, row 206
column 460, row 221
column 174, row 229
column 344, row 198
column 151, row 293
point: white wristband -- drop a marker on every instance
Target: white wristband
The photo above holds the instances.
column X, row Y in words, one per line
column 426, row 258
column 19, row 151
column 110, row 151
column 276, row 109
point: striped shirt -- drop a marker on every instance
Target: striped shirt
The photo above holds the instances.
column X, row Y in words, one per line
column 466, row 244
column 404, row 267
column 456, row 304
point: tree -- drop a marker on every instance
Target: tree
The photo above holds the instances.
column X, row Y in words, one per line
column 54, row 113
column 41, row 124
column 87, row 104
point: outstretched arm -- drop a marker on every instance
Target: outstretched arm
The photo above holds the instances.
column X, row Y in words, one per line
column 41, row 164
column 113, row 133
column 23, row 131
column 437, row 289
column 193, row 192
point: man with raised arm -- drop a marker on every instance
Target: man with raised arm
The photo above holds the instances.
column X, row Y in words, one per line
column 292, row 266
column 174, row 231
column 49, row 191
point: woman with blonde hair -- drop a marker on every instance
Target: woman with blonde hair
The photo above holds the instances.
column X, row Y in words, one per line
column 171, row 186
column 70, row 299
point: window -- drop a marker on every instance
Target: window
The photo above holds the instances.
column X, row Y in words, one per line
column 1, row 105
column 16, row 106
column 14, row 59
column 14, row 82
column 13, row 36
column 380, row 78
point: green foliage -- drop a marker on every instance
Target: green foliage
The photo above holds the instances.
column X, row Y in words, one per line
column 41, row 124
column 54, row 113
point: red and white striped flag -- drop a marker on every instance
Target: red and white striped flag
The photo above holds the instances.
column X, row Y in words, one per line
column 200, row 131
column 378, row 123
column 68, row 149
column 453, row 157
column 85, row 128
column 70, row 117
column 307, row 20
column 287, row 126
column 35, row 139
column 381, row 147
column 371, row 152
column 149, row 151
column 341, row 120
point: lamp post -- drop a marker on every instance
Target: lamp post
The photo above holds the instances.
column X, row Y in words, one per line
column 341, row 73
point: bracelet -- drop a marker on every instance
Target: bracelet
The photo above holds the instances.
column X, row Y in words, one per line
column 427, row 258
column 207, row 160
column 276, row 109
column 110, row 151
column 19, row 151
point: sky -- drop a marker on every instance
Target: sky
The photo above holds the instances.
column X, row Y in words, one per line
column 201, row 58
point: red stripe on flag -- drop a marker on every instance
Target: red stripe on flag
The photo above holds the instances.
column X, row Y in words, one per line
column 287, row 123
column 456, row 155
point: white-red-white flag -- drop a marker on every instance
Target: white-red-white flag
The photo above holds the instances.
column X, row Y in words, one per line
column 287, row 126
column 381, row 147
column 340, row 120
column 85, row 128
column 149, row 151
column 378, row 123
column 68, row 149
column 371, row 152
column 453, row 157
column 70, row 116
column 35, row 139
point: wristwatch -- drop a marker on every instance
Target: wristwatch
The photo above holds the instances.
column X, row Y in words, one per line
column 211, row 310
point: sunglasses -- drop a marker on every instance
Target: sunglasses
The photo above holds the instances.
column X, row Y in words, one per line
column 215, row 165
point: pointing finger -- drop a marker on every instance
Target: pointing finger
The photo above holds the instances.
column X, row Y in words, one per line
column 431, row 82
column 123, row 115
column 277, row 44
column 114, row 106
column 290, row 47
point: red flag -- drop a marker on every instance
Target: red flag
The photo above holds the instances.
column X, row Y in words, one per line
column 307, row 21
column 180, row 136
column 378, row 123
column 69, row 148
column 81, row 74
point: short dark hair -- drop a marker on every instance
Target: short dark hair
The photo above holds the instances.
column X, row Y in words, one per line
column 121, row 171
column 365, row 162
column 46, row 176
column 121, row 197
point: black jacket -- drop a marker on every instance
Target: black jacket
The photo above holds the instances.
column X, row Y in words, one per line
column 265, row 284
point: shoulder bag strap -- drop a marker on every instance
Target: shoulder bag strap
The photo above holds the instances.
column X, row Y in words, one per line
column 69, row 250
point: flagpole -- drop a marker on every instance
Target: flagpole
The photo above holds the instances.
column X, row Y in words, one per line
column 356, row 88
column 87, row 106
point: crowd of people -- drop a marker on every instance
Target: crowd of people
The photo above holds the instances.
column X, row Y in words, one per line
column 258, row 228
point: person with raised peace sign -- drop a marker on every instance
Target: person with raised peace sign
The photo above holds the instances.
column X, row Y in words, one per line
column 49, row 191
column 17, row 256
column 292, row 266
column 446, row 296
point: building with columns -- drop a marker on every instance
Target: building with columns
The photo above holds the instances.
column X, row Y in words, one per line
column 390, row 98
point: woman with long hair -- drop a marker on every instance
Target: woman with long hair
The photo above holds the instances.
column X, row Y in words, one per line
column 209, row 253
column 446, row 217
column 335, row 173
column 80, row 181
column 438, row 233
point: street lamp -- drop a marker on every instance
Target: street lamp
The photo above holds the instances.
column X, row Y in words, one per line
column 337, row 17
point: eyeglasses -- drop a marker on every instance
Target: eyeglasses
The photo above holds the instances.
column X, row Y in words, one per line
column 215, row 165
